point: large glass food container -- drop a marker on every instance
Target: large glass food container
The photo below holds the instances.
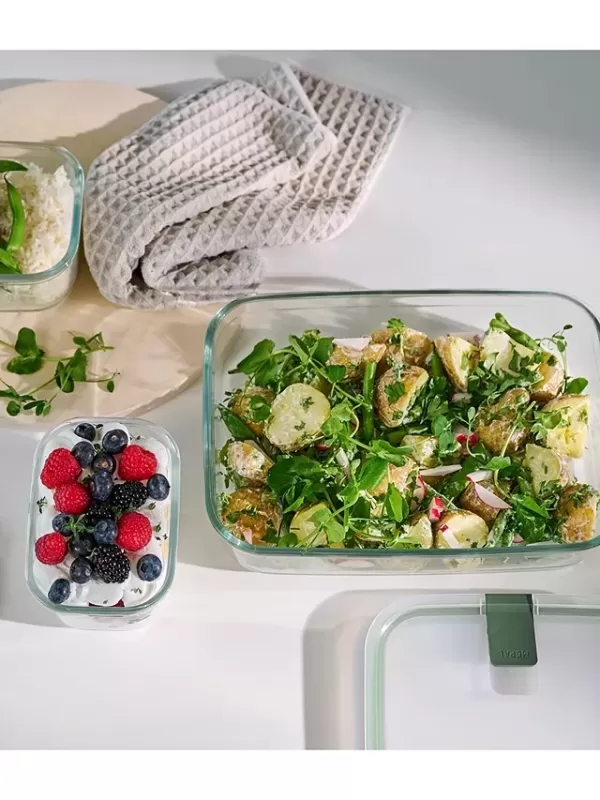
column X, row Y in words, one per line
column 98, row 617
column 483, row 672
column 36, row 291
column 239, row 325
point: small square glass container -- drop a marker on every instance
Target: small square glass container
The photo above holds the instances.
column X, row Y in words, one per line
column 104, row 617
column 39, row 290
column 238, row 326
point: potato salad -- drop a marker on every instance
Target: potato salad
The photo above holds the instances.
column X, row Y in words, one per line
column 395, row 440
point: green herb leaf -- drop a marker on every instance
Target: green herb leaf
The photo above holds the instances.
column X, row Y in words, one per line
column 77, row 366
column 258, row 409
column 498, row 462
column 236, row 426
column 323, row 349
column 395, row 504
column 373, row 471
column 395, row 455
column 530, row 504
column 576, row 386
column 396, row 324
column 394, row 391
column 110, row 386
column 17, row 231
column 335, row 373
column 13, row 408
column 439, row 425
column 261, row 352
column 288, row 540
column 11, row 166
column 25, row 366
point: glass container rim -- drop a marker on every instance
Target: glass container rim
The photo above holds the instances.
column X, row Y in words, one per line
column 211, row 499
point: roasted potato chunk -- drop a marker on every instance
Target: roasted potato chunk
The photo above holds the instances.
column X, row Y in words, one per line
column 250, row 514
column 569, row 438
column 544, row 466
column 495, row 423
column 469, row 501
column 305, row 529
column 419, row 528
column 248, row 462
column 577, row 513
column 498, row 349
column 413, row 347
column 403, row 478
column 353, row 354
column 423, row 449
column 550, row 384
column 297, row 415
column 459, row 358
column 395, row 393
column 460, row 529
column 240, row 405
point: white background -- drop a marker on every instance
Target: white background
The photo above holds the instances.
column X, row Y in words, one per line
column 493, row 183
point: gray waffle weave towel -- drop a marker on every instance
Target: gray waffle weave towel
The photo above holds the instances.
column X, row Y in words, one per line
column 176, row 213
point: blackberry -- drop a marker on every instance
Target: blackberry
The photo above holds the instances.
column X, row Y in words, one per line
column 110, row 563
column 98, row 511
column 128, row 495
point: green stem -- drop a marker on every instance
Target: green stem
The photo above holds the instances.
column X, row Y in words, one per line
column 368, row 388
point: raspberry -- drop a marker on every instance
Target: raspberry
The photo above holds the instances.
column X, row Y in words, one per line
column 72, row 498
column 135, row 531
column 51, row 548
column 60, row 467
column 137, row 464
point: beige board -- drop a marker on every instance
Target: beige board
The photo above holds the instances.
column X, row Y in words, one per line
column 158, row 354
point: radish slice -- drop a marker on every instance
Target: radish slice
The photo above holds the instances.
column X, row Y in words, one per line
column 419, row 492
column 460, row 397
column 518, row 539
column 353, row 344
column 461, row 438
column 438, row 472
column 480, row 475
column 489, row 498
column 473, row 439
column 450, row 538
column 436, row 509
column 322, row 448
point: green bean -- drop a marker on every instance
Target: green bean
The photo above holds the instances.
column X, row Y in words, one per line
column 8, row 265
column 520, row 337
column 17, row 231
column 368, row 389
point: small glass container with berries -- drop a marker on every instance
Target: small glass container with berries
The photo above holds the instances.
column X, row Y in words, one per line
column 103, row 521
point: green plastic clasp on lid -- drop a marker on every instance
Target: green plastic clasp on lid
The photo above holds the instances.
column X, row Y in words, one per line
column 510, row 630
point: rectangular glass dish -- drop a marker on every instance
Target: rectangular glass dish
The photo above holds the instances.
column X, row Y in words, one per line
column 38, row 290
column 238, row 326
column 165, row 536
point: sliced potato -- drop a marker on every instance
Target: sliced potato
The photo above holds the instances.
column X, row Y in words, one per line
column 459, row 358
column 250, row 514
column 392, row 411
column 354, row 353
column 419, row 528
column 495, row 424
column 458, row 529
column 545, row 466
column 423, row 449
column 498, row 349
column 297, row 415
column 552, row 376
column 470, row 501
column 577, row 513
column 305, row 529
column 569, row 439
column 403, row 478
column 249, row 462
column 413, row 347
column 240, row 405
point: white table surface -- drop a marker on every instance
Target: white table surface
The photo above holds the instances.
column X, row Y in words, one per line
column 493, row 183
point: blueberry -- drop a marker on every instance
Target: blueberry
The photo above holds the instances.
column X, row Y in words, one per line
column 158, row 487
column 86, row 431
column 63, row 523
column 84, row 453
column 149, row 567
column 105, row 531
column 59, row 591
column 82, row 546
column 101, row 485
column 115, row 441
column 81, row 570
column 105, row 462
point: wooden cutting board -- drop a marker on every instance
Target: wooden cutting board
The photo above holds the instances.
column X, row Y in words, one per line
column 158, row 354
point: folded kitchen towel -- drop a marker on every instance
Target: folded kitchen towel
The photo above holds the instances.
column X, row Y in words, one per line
column 176, row 213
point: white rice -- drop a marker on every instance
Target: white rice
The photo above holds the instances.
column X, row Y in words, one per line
column 48, row 203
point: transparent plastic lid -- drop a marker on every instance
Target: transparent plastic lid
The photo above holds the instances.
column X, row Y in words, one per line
column 483, row 672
